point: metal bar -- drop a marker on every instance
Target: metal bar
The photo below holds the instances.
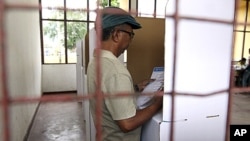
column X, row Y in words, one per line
column 98, row 95
column 60, row 98
column 4, row 80
column 176, row 22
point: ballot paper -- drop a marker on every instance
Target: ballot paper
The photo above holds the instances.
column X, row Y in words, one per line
column 157, row 85
column 158, row 73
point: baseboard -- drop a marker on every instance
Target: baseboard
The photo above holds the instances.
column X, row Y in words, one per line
column 26, row 137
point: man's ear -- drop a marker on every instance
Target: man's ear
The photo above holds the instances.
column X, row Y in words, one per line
column 115, row 36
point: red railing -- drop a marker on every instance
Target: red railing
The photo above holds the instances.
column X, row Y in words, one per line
column 6, row 101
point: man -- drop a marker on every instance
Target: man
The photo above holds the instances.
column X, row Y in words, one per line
column 239, row 71
column 121, row 120
column 242, row 64
column 245, row 74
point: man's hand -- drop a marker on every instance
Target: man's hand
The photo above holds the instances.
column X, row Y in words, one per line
column 143, row 84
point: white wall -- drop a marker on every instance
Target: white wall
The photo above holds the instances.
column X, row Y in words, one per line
column 23, row 65
column 58, row 78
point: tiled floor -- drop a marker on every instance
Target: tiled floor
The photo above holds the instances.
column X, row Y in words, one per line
column 240, row 109
column 64, row 121
column 58, row 121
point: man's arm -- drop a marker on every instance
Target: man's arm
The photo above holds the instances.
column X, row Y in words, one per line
column 141, row 116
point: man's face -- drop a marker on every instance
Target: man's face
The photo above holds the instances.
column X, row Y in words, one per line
column 126, row 34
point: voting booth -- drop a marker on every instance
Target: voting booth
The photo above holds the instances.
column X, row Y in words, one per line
column 201, row 60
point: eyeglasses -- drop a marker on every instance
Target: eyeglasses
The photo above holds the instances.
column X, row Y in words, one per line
column 131, row 34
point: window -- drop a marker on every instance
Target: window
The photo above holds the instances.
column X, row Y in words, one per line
column 61, row 29
column 147, row 9
column 242, row 32
column 63, row 22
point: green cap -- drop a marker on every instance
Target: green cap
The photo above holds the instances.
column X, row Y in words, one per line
column 113, row 16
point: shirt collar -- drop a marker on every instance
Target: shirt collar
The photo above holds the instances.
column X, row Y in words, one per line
column 106, row 54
